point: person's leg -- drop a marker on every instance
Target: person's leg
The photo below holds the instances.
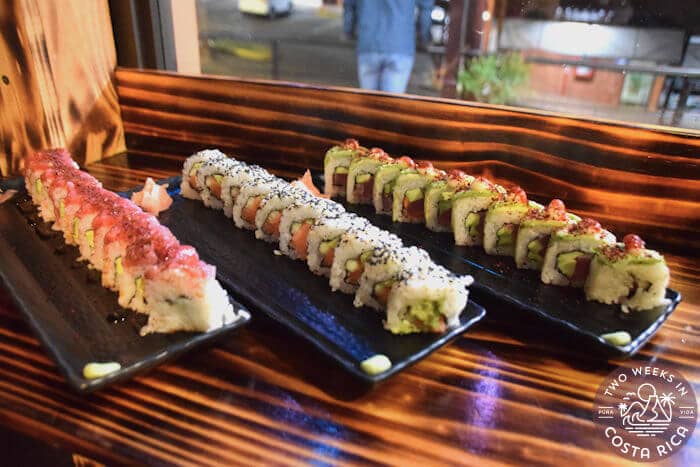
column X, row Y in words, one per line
column 396, row 71
column 368, row 70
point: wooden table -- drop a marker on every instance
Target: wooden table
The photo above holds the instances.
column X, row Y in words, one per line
column 500, row 394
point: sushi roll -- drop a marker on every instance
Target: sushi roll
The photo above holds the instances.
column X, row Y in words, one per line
column 534, row 232
column 250, row 199
column 469, row 207
column 138, row 257
column 237, row 177
column 269, row 215
column 570, row 251
column 409, row 192
column 503, row 221
column 428, row 300
column 336, row 165
column 191, row 186
column 297, row 221
column 438, row 200
column 360, row 179
column 210, row 178
column 324, row 237
column 353, row 249
column 383, row 268
column 628, row 274
column 384, row 181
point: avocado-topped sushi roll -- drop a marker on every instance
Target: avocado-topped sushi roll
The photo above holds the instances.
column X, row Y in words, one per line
column 191, row 187
column 210, row 178
column 426, row 300
column 469, row 207
column 324, row 237
column 628, row 274
column 438, row 200
column 336, row 165
column 503, row 221
column 383, row 268
column 534, row 232
column 297, row 220
column 409, row 192
column 570, row 250
column 384, row 181
column 353, row 249
column 250, row 199
column 360, row 178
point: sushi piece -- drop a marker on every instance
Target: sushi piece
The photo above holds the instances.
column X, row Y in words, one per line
column 383, row 268
column 438, row 200
column 360, row 179
column 628, row 274
column 269, row 215
column 192, row 185
column 297, row 221
column 409, row 192
column 324, row 237
column 503, row 221
column 238, row 177
column 353, row 249
column 534, row 232
column 570, row 251
column 336, row 165
column 428, row 300
column 138, row 257
column 250, row 199
column 384, row 181
column 210, row 178
column 469, row 207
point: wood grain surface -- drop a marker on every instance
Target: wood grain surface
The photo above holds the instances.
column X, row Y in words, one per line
column 633, row 179
column 509, row 392
column 57, row 63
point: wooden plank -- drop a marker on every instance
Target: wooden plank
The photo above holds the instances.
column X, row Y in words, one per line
column 58, row 59
column 632, row 178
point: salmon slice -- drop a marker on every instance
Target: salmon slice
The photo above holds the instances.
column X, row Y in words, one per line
column 299, row 240
column 250, row 209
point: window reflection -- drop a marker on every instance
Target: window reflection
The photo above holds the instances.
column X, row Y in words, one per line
column 630, row 60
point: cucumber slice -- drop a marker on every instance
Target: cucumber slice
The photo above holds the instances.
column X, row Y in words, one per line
column 340, row 170
column 328, row 245
column 365, row 255
column 363, row 178
column 566, row 262
column 352, row 265
column 414, row 194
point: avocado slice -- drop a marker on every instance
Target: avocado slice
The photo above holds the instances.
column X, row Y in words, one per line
column 365, row 255
column 444, row 205
column 389, row 187
column 566, row 262
column 504, row 235
column 39, row 186
column 534, row 252
column 328, row 245
column 380, row 287
column 363, row 178
column 426, row 313
column 414, row 194
column 352, row 265
column 340, row 170
column 90, row 238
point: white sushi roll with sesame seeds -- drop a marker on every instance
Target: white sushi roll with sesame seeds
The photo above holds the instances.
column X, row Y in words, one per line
column 269, row 215
column 570, row 250
column 336, row 165
column 210, row 178
column 628, row 274
column 297, row 221
column 190, row 185
column 324, row 237
column 250, row 198
column 353, row 249
column 383, row 268
column 429, row 299
column 238, row 177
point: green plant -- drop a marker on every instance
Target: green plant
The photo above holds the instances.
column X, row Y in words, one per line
column 493, row 78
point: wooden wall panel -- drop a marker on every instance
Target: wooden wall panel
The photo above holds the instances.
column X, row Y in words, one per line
column 640, row 179
column 57, row 62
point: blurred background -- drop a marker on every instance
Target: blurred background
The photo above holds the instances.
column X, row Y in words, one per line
column 630, row 60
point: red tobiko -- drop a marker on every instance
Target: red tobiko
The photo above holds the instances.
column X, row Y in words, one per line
column 556, row 209
column 379, row 154
column 408, row 161
column 424, row 165
column 457, row 174
column 351, row 143
column 633, row 242
column 517, row 194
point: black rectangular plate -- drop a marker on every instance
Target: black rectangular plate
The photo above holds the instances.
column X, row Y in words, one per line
column 73, row 315
column 522, row 290
column 289, row 293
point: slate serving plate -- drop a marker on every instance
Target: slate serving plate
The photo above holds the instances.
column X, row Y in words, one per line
column 286, row 291
column 76, row 319
column 498, row 277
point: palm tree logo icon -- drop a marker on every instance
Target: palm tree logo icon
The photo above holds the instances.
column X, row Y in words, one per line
column 645, row 413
